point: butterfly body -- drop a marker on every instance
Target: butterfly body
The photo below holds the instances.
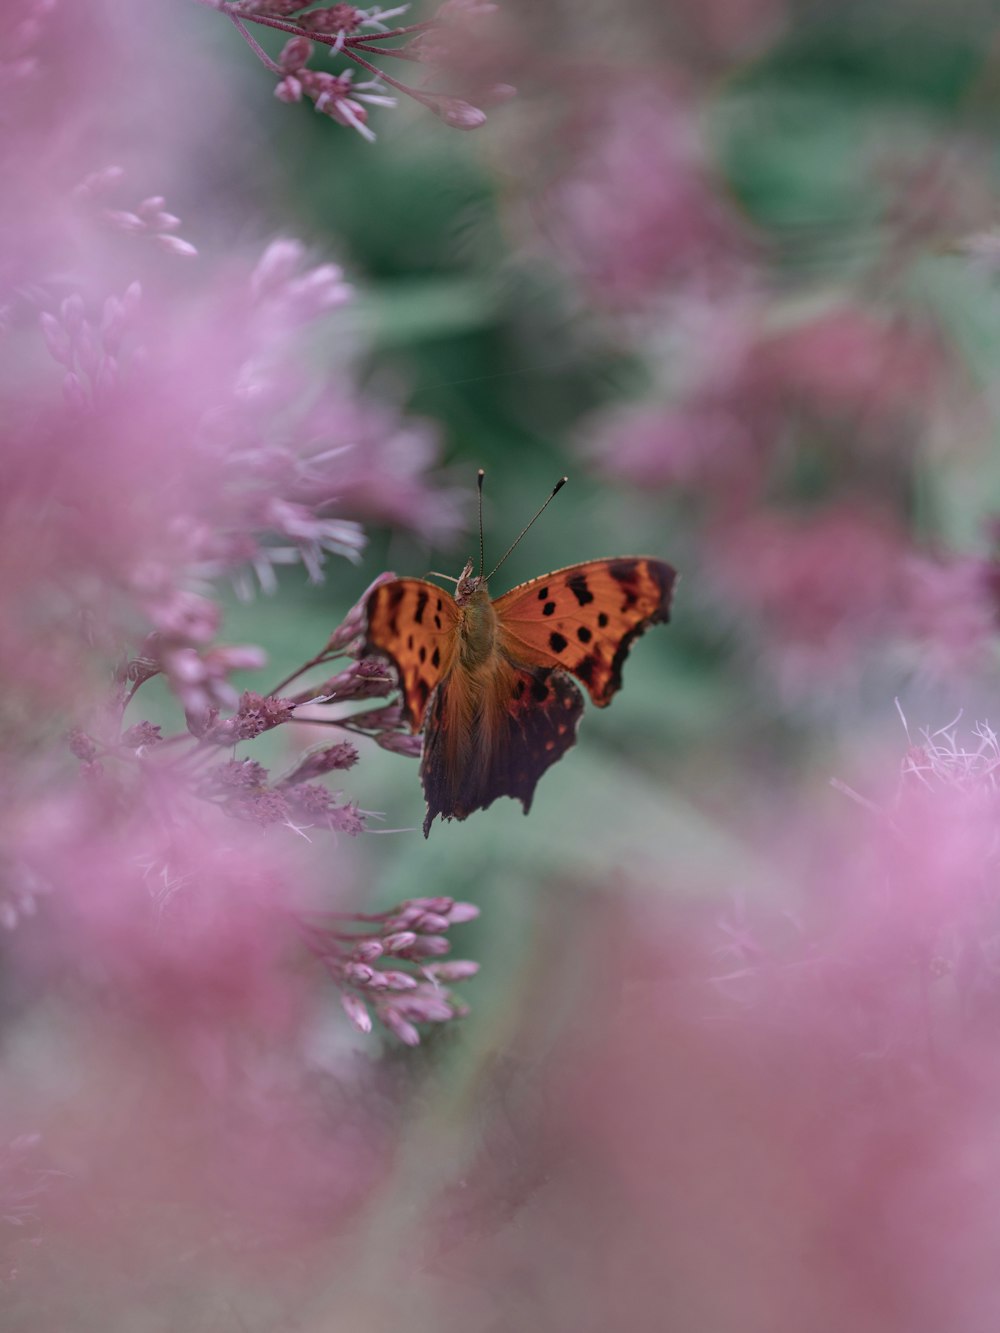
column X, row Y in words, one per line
column 489, row 682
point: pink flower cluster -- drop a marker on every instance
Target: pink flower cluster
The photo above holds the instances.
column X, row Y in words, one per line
column 784, row 419
column 815, row 1077
column 354, row 950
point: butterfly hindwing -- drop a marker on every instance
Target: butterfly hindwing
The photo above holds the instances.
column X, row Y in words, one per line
column 584, row 618
column 472, row 756
column 414, row 624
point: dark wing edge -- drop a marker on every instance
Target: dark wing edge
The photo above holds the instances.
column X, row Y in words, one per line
column 540, row 726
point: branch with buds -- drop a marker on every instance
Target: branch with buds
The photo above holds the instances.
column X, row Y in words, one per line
column 357, row 35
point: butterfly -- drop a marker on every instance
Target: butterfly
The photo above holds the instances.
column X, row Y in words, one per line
column 490, row 682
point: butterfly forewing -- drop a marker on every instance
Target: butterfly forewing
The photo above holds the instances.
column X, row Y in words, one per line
column 414, row 624
column 584, row 618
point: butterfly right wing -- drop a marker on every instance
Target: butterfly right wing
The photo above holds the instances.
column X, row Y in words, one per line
column 415, row 625
column 584, row 618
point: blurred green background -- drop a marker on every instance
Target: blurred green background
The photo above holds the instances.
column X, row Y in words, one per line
column 465, row 316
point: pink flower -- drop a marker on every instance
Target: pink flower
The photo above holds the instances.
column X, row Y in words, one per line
column 813, row 590
column 634, row 209
column 948, row 613
column 355, row 949
column 855, row 360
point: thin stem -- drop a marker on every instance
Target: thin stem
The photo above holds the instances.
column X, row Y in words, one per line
column 381, row 51
column 396, row 32
column 318, row 660
column 255, row 46
column 415, row 93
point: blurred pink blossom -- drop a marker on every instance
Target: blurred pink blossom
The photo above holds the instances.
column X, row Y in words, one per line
column 810, row 589
column 816, row 1077
column 634, row 208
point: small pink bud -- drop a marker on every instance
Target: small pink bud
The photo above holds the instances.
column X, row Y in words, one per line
column 153, row 204
column 459, row 969
column 295, row 54
column 175, row 246
column 428, row 946
column 499, row 93
column 132, row 299
column 398, row 1025
column 400, row 743
column 289, row 90
column 124, row 220
column 403, row 939
column 463, row 912
column 99, row 182
column 276, row 266
column 241, row 657
column 366, row 951
column 431, row 923
column 81, row 746
column 455, row 111
column 359, row 973
column 396, row 980
column 425, row 1009
column 357, row 1012
column 164, row 221
column 440, row 905
column 401, row 920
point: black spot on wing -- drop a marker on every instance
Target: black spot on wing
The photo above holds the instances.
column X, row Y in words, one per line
column 423, row 653
column 436, row 657
column 543, row 593
column 394, row 594
column 584, row 634
column 578, row 587
column 423, row 597
column 623, row 571
column 556, row 641
column 548, row 608
column 602, row 619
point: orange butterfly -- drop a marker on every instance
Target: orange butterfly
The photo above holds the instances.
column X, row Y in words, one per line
column 487, row 680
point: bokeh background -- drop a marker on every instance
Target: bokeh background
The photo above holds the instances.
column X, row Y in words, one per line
column 734, row 267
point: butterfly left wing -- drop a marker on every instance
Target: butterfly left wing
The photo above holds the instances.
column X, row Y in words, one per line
column 585, row 618
column 415, row 625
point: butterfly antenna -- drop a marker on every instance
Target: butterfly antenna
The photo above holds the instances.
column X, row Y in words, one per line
column 482, row 547
column 555, row 491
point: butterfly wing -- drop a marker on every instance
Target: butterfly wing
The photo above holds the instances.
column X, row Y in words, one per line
column 415, row 625
column 585, row 618
column 496, row 743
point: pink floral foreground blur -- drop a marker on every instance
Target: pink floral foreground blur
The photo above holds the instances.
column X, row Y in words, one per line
column 169, row 441
column 708, row 1043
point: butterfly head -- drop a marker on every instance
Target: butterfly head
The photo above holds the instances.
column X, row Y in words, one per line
column 468, row 584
